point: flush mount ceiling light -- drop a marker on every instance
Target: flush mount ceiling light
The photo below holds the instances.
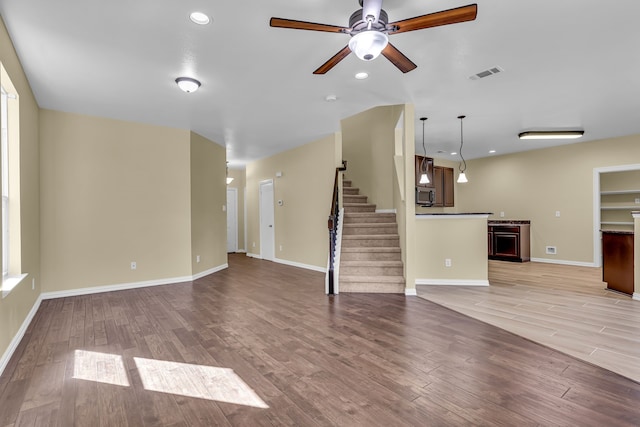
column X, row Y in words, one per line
column 361, row 76
column 565, row 134
column 187, row 84
column 462, row 178
column 199, row 18
column 368, row 44
column 424, row 178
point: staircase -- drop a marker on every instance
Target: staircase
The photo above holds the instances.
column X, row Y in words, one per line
column 370, row 259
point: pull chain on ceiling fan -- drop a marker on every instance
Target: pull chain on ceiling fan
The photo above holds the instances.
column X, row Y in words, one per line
column 369, row 29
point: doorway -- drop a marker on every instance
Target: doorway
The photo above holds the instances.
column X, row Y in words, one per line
column 267, row 232
column 232, row 220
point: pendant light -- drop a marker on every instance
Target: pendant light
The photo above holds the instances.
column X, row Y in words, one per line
column 424, row 178
column 462, row 178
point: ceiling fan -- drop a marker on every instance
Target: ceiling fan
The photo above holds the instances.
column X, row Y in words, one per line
column 369, row 29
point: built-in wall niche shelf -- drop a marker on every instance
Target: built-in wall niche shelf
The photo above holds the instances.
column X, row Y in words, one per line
column 619, row 196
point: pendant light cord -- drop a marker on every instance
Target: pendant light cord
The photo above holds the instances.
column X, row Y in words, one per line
column 424, row 149
column 460, row 168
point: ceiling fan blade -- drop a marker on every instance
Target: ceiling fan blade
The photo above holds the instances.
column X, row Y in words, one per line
column 303, row 25
column 398, row 59
column 333, row 61
column 445, row 17
column 371, row 8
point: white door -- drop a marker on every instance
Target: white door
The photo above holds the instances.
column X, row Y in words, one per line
column 267, row 232
column 232, row 220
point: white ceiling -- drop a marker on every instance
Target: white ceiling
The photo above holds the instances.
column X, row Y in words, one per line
column 568, row 64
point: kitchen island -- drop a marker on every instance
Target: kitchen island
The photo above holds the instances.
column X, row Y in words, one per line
column 451, row 249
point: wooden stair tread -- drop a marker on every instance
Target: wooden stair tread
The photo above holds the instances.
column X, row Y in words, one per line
column 369, row 236
column 377, row 263
column 372, row 279
column 361, row 249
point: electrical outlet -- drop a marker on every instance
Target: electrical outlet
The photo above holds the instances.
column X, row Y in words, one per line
column 447, row 262
column 254, row 244
column 134, row 265
column 224, row 208
column 197, row 258
column 280, row 248
column 637, row 200
column 557, row 214
column 501, row 214
column 551, row 250
column 33, row 283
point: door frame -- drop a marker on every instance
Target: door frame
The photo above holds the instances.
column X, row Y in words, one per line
column 261, row 214
column 235, row 191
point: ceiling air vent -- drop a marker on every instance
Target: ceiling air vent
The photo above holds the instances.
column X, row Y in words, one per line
column 486, row 73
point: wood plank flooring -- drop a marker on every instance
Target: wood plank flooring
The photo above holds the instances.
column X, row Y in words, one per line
column 259, row 344
column 564, row 307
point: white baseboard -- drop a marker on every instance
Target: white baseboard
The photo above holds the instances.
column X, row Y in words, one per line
column 410, row 292
column 249, row 254
column 563, row 262
column 241, row 251
column 636, row 295
column 209, row 271
column 300, row 265
column 13, row 345
column 451, row 282
column 132, row 285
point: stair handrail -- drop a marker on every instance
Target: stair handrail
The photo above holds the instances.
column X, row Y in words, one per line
column 333, row 225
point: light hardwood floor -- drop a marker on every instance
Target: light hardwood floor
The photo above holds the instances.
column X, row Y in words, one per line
column 564, row 307
column 259, row 344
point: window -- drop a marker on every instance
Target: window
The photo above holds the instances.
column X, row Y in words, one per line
column 10, row 184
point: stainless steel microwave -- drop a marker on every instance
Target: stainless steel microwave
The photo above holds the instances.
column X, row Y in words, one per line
column 425, row 196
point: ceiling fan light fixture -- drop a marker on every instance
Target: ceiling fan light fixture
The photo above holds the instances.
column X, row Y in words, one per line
column 566, row 134
column 199, row 18
column 187, row 84
column 368, row 44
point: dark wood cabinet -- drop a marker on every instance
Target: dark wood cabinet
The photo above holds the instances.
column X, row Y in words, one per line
column 509, row 242
column 440, row 179
column 617, row 261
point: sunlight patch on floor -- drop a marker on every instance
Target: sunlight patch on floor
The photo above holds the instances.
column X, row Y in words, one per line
column 100, row 367
column 204, row 382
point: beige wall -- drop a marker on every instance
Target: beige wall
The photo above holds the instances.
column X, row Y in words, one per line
column 112, row 192
column 535, row 184
column 239, row 182
column 15, row 308
column 208, row 196
column 305, row 189
column 368, row 145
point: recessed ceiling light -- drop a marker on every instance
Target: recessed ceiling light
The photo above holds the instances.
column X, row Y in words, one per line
column 566, row 134
column 454, row 153
column 361, row 76
column 492, row 151
column 331, row 98
column 187, row 84
column 199, row 18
